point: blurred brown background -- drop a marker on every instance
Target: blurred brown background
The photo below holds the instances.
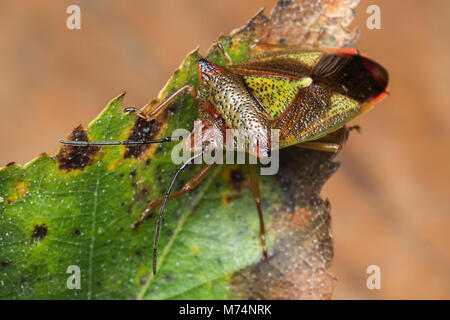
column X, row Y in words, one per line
column 390, row 199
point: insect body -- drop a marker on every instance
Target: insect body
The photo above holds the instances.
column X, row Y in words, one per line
column 304, row 94
column 308, row 95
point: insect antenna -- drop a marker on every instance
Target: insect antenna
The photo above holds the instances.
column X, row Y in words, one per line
column 163, row 206
column 117, row 143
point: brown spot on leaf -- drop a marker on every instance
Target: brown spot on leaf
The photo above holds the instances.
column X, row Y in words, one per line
column 228, row 199
column 76, row 232
column 75, row 157
column 141, row 195
column 143, row 130
column 10, row 164
column 237, row 180
column 5, row 263
column 39, row 233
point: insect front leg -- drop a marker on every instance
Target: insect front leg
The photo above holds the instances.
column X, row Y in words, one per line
column 224, row 53
column 163, row 105
column 254, row 185
column 190, row 185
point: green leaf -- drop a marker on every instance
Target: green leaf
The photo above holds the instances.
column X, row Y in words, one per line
column 76, row 208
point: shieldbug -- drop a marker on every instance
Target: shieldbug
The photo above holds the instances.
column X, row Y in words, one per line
column 308, row 95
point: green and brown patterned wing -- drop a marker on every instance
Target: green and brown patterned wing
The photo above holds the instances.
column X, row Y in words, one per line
column 316, row 112
column 276, row 78
column 312, row 93
column 345, row 84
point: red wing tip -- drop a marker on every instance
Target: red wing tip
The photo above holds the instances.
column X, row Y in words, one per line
column 350, row 51
column 380, row 97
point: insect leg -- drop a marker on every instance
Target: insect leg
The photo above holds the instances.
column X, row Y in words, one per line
column 163, row 206
column 254, row 184
column 137, row 111
column 224, row 54
column 163, row 105
column 190, row 185
column 321, row 146
column 332, row 142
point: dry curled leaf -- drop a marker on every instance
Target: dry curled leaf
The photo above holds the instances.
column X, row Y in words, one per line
column 307, row 23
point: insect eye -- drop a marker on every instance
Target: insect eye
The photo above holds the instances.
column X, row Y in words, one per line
column 207, row 70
